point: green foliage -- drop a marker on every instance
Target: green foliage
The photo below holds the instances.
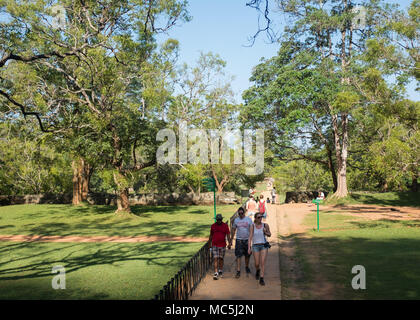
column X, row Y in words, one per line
column 300, row 176
column 29, row 165
column 190, row 178
column 99, row 80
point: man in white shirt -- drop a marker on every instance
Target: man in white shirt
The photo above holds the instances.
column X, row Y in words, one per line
column 242, row 224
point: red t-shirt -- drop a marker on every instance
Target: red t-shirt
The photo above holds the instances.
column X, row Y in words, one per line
column 218, row 234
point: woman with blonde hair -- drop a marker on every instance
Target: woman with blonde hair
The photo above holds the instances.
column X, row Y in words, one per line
column 258, row 244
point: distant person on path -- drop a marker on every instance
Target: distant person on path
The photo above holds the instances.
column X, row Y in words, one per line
column 242, row 225
column 251, row 207
column 219, row 231
column 251, row 192
column 268, row 200
column 321, row 195
column 273, row 194
column 262, row 208
column 258, row 244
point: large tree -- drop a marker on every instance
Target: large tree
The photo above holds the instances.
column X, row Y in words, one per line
column 100, row 63
column 205, row 101
column 307, row 94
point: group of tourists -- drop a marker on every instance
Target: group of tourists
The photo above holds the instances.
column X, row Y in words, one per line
column 250, row 239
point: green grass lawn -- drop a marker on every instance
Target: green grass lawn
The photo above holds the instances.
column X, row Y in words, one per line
column 98, row 270
column 410, row 199
column 87, row 220
column 93, row 270
column 388, row 249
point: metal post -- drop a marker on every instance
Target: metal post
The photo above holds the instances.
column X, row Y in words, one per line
column 317, row 214
column 214, row 199
column 317, row 201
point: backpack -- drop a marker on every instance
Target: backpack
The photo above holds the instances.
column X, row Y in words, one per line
column 261, row 207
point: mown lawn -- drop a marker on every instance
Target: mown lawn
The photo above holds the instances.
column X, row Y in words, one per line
column 97, row 270
column 410, row 199
column 87, row 220
column 93, row 270
column 388, row 249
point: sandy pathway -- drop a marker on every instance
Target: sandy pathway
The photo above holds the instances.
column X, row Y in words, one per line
column 246, row 287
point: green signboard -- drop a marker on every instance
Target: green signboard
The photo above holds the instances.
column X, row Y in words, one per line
column 210, row 185
column 318, row 202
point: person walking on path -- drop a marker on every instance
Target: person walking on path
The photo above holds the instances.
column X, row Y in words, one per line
column 258, row 244
column 241, row 225
column 251, row 207
column 262, row 208
column 219, row 231
column 273, row 195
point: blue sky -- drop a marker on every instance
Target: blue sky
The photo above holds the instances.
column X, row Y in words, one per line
column 224, row 27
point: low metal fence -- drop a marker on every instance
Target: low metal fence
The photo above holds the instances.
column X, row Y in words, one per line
column 183, row 284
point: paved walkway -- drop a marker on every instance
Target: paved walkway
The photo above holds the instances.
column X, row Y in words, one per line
column 246, row 287
column 20, row 238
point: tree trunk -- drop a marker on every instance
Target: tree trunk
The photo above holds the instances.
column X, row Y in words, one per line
column 414, row 184
column 77, row 194
column 81, row 177
column 122, row 201
column 332, row 169
column 123, row 205
column 341, row 149
column 87, row 171
column 220, row 185
column 385, row 186
column 342, row 181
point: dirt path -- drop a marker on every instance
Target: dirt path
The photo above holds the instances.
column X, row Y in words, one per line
column 246, row 287
column 295, row 284
column 20, row 238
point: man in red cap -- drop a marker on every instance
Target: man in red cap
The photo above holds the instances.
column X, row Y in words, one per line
column 219, row 231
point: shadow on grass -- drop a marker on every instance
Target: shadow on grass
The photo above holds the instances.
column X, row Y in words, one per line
column 391, row 265
column 91, row 210
column 83, row 220
column 30, row 266
column 151, row 253
column 172, row 228
column 409, row 199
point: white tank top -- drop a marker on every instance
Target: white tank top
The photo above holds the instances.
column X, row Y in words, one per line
column 259, row 236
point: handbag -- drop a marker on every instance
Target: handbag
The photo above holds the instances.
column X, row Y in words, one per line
column 267, row 244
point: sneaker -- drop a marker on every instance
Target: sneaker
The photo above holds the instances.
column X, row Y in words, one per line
column 238, row 274
column 257, row 274
column 215, row 276
column 262, row 281
column 220, row 273
column 248, row 270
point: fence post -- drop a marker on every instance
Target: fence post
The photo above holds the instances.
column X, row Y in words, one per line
column 187, row 279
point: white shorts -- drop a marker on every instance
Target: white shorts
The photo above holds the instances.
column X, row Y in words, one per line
column 250, row 213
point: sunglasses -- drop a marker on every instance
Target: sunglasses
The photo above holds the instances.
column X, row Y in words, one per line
column 259, row 217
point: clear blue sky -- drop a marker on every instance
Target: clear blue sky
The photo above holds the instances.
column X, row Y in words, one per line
column 223, row 27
